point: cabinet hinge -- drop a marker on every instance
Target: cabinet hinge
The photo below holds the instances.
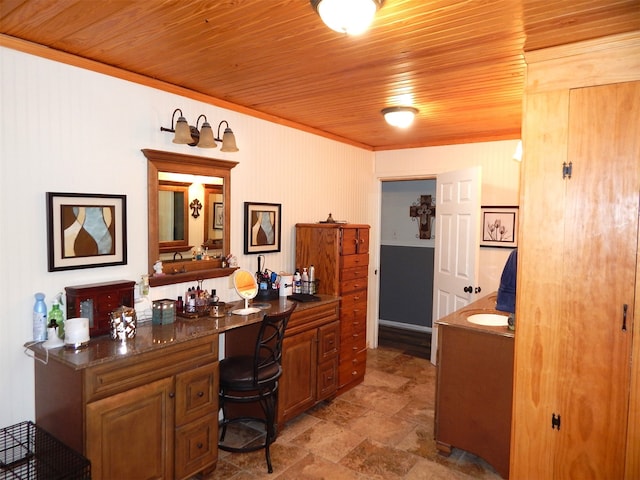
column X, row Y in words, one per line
column 555, row 421
column 567, row 169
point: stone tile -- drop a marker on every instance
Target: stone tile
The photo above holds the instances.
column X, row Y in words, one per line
column 381, row 428
column 282, row 456
column 377, row 399
column 378, row 379
column 337, row 411
column 328, row 440
column 313, row 467
column 428, row 470
column 377, row 461
column 296, row 426
column 420, row 441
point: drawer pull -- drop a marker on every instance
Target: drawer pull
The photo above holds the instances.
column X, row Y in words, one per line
column 172, row 394
column 200, row 445
column 354, row 373
column 201, row 394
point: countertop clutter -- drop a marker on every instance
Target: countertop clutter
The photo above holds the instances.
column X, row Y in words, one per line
column 154, row 337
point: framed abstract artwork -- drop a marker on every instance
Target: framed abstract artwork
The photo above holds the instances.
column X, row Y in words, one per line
column 499, row 227
column 262, row 224
column 86, row 230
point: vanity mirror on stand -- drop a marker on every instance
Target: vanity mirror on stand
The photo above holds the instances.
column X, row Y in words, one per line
column 174, row 182
column 247, row 287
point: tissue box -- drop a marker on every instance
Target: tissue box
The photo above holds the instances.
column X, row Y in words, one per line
column 164, row 312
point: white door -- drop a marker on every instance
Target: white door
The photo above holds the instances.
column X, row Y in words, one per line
column 457, row 244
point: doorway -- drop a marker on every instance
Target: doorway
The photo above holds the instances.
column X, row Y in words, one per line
column 406, row 267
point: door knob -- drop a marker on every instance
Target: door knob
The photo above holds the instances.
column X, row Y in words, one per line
column 468, row 289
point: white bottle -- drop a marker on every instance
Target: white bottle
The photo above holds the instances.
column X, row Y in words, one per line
column 312, row 279
column 297, row 280
column 305, row 280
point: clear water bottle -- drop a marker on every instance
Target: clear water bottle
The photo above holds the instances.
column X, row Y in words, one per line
column 39, row 319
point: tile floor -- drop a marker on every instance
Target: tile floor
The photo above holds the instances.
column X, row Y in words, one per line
column 381, row 429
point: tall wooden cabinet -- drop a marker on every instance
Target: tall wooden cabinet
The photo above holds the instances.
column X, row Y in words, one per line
column 340, row 255
column 576, row 397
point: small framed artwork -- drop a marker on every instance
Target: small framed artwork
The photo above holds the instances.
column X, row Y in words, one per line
column 218, row 215
column 86, row 230
column 499, row 227
column 262, row 224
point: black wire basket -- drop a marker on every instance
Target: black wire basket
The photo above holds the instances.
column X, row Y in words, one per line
column 29, row 452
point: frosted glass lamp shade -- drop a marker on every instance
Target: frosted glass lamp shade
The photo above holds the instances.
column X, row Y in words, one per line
column 352, row 17
column 400, row 117
column 228, row 141
column 206, row 137
column 183, row 132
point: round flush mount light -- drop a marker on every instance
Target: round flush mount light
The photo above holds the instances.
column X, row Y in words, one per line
column 400, row 117
column 352, row 17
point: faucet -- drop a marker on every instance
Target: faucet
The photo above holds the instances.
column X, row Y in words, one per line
column 177, row 253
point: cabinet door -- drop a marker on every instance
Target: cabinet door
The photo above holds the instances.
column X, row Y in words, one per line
column 354, row 240
column 298, row 381
column 130, row 435
column 573, row 345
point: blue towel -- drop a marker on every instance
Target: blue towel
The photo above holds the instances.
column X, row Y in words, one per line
column 506, row 300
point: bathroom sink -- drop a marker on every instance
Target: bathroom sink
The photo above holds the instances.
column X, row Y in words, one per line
column 489, row 319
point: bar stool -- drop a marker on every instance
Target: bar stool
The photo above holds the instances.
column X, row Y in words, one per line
column 254, row 379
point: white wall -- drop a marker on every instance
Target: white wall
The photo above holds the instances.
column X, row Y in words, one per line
column 397, row 227
column 65, row 129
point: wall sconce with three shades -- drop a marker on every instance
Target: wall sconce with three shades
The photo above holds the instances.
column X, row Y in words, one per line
column 186, row 134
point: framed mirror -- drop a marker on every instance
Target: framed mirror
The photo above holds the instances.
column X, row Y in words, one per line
column 209, row 181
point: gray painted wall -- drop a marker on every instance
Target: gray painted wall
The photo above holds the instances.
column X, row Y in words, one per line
column 406, row 285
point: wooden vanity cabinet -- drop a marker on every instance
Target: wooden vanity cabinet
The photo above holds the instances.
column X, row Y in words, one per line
column 153, row 415
column 474, row 394
column 340, row 255
column 97, row 300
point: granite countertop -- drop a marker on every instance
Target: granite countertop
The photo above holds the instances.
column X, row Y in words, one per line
column 484, row 305
column 151, row 338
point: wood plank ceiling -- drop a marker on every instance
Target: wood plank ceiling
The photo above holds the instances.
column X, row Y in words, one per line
column 460, row 62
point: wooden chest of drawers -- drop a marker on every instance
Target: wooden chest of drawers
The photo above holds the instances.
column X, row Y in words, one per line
column 340, row 255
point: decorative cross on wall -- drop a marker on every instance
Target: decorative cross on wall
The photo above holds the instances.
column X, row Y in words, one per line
column 423, row 213
column 195, row 208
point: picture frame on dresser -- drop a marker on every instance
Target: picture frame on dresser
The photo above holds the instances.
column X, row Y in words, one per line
column 86, row 230
column 262, row 227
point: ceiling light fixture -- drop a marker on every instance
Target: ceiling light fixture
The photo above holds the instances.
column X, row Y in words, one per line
column 400, row 117
column 186, row 134
column 347, row 16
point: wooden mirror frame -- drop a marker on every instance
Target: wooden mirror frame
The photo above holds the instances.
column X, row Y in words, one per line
column 160, row 161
